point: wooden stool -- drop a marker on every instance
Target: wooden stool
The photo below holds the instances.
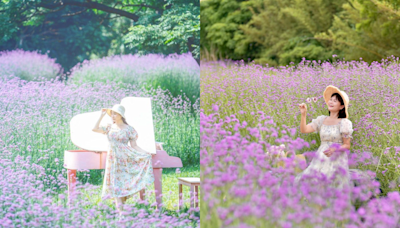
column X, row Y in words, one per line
column 193, row 183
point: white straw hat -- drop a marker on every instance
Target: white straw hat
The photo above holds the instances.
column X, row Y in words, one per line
column 118, row 109
column 331, row 90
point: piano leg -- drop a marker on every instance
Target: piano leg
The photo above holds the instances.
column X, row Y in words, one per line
column 158, row 185
column 71, row 182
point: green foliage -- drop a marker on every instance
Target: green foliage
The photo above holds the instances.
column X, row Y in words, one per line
column 74, row 33
column 281, row 32
column 176, row 31
column 219, row 23
column 368, row 29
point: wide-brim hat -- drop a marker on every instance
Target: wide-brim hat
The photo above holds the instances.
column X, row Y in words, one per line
column 118, row 109
column 331, row 90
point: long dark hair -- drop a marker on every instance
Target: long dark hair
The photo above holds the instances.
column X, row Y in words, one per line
column 342, row 112
column 124, row 120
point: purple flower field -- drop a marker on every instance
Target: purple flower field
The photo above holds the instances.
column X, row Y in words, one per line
column 26, row 202
column 35, row 133
column 249, row 110
column 176, row 73
column 36, row 66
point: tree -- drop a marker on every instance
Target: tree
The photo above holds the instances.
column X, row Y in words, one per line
column 220, row 34
column 176, row 31
column 74, row 30
column 279, row 32
column 369, row 29
column 285, row 29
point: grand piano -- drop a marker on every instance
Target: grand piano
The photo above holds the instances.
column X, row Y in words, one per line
column 93, row 146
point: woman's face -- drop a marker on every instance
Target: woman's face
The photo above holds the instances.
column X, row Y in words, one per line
column 334, row 104
column 116, row 117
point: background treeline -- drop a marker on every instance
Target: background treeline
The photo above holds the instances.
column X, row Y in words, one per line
column 72, row 31
column 279, row 32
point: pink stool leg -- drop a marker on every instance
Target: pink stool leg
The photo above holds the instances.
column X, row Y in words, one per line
column 142, row 193
column 191, row 196
column 158, row 185
column 197, row 196
column 71, row 182
column 180, row 196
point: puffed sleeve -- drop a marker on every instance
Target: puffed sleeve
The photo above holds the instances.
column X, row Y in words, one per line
column 316, row 123
column 346, row 128
column 133, row 135
column 105, row 128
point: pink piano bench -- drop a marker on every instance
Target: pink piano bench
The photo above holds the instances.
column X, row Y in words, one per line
column 193, row 183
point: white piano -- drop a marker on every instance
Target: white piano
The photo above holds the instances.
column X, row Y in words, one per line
column 93, row 146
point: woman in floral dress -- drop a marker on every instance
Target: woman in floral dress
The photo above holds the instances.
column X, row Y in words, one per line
column 128, row 168
column 333, row 129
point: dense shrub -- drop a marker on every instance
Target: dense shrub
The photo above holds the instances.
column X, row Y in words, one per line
column 176, row 73
column 27, row 65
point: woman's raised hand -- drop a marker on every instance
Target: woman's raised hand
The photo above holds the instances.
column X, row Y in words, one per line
column 303, row 108
column 103, row 111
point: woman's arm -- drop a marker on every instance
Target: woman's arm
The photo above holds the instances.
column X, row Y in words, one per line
column 345, row 145
column 303, row 127
column 97, row 127
column 346, row 129
column 136, row 147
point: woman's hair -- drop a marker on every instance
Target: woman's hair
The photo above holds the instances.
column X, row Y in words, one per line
column 124, row 120
column 342, row 112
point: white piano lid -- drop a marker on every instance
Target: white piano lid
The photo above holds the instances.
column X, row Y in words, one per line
column 138, row 114
column 82, row 135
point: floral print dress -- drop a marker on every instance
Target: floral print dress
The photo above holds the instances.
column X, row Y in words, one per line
column 329, row 135
column 127, row 170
